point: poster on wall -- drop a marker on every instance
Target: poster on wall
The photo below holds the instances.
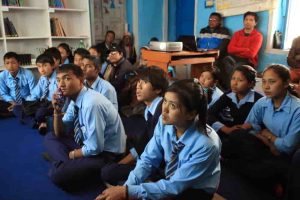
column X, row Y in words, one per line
column 237, row 7
column 109, row 15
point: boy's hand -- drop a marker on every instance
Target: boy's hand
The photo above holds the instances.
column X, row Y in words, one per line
column 55, row 102
column 11, row 107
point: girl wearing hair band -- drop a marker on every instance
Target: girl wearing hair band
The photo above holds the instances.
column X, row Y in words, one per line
column 189, row 148
column 231, row 109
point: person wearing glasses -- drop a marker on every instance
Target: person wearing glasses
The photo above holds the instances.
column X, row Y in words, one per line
column 214, row 36
column 118, row 71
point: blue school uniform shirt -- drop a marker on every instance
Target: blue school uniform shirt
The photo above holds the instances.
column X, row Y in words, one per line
column 151, row 109
column 215, row 96
column 283, row 122
column 232, row 95
column 100, row 123
column 41, row 86
column 7, row 87
column 103, row 67
column 106, row 89
column 198, row 163
column 67, row 61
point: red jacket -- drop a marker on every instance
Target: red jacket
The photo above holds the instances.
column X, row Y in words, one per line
column 246, row 46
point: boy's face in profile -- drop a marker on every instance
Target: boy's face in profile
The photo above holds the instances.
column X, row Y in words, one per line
column 12, row 65
column 145, row 92
column 89, row 69
column 45, row 69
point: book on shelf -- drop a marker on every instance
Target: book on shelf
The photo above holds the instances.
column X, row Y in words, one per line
column 57, row 3
column 56, row 27
column 10, row 29
column 12, row 2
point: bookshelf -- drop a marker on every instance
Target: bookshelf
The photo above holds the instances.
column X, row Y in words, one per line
column 31, row 19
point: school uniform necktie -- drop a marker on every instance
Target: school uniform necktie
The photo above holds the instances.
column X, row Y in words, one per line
column 78, row 136
column 172, row 166
column 17, row 91
column 46, row 91
column 107, row 72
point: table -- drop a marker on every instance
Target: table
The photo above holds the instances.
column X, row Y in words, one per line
column 197, row 60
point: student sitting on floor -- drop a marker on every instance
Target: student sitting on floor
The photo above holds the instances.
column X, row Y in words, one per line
column 91, row 67
column 66, row 53
column 189, row 148
column 150, row 88
column 44, row 91
column 208, row 80
column 274, row 123
column 78, row 56
column 95, row 51
column 55, row 54
column 232, row 108
column 98, row 136
column 16, row 84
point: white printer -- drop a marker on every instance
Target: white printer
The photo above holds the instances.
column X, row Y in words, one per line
column 165, row 46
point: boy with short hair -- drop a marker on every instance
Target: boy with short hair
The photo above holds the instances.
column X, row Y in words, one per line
column 150, row 89
column 98, row 137
column 16, row 84
column 44, row 90
column 78, row 56
column 91, row 67
column 55, row 54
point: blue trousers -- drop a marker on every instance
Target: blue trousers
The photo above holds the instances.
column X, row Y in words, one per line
column 116, row 174
column 42, row 113
column 72, row 174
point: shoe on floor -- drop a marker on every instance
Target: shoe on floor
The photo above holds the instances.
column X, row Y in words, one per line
column 43, row 128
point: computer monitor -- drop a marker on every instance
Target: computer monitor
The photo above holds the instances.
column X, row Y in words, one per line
column 189, row 42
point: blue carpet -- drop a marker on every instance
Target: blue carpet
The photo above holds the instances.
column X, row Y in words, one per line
column 23, row 171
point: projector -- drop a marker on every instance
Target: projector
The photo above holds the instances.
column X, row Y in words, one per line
column 166, row 46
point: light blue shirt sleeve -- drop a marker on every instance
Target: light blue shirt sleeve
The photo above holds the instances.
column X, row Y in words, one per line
column 151, row 157
column 94, row 134
column 134, row 153
column 193, row 170
column 255, row 116
column 288, row 142
column 107, row 90
column 217, row 126
column 4, row 89
column 26, row 83
column 100, row 123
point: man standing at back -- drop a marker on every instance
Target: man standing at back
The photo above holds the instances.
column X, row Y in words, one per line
column 245, row 44
column 214, row 36
column 106, row 44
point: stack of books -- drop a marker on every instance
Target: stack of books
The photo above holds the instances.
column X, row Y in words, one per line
column 56, row 27
column 57, row 3
column 10, row 30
